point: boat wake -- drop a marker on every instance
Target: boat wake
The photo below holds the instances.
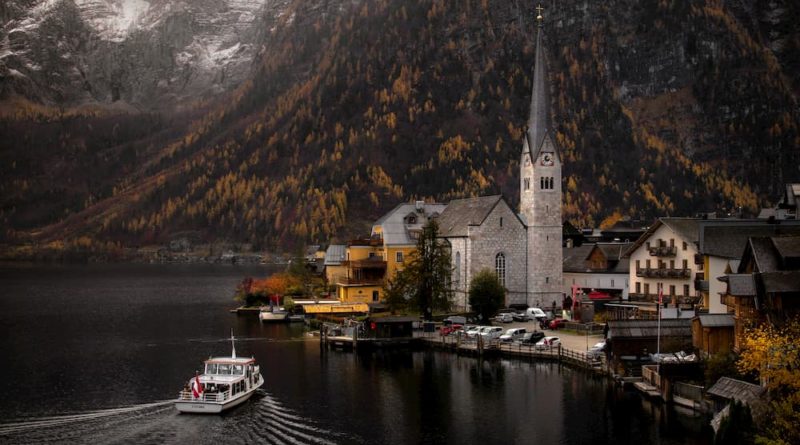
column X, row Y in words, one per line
column 263, row 419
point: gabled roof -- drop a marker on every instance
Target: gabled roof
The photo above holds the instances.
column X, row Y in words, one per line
column 762, row 253
column 716, row 320
column 684, row 228
column 728, row 388
column 575, row 258
column 394, row 226
column 787, row 281
column 727, row 239
column 335, row 254
column 462, row 213
column 788, row 247
column 740, row 285
column 680, row 327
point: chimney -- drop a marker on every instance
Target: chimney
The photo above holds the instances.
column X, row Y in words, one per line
column 420, row 205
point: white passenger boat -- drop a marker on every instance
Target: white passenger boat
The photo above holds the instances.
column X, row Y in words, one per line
column 226, row 382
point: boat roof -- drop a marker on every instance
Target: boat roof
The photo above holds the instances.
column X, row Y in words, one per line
column 231, row 360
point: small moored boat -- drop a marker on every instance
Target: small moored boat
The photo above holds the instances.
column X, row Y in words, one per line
column 273, row 314
column 226, row 382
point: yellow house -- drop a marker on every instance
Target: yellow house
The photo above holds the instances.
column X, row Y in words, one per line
column 369, row 263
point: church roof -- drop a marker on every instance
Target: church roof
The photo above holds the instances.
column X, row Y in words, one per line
column 538, row 121
column 462, row 213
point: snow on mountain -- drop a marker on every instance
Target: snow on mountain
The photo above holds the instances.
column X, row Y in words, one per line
column 139, row 51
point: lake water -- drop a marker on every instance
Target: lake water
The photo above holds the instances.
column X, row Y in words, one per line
column 94, row 354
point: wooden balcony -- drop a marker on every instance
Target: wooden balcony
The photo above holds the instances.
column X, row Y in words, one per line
column 652, row 272
column 664, row 251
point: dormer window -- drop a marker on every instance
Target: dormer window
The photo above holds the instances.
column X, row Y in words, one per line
column 411, row 218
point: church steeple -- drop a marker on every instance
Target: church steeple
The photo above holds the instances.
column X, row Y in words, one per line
column 538, row 121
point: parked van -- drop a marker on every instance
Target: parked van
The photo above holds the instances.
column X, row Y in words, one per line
column 534, row 313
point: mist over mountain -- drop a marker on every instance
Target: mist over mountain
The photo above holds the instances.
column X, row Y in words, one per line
column 281, row 123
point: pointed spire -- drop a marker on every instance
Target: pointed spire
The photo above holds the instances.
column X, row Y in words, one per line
column 538, row 122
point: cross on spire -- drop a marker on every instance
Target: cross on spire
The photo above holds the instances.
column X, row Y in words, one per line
column 539, row 16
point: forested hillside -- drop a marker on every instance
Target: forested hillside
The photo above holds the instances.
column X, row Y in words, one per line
column 659, row 107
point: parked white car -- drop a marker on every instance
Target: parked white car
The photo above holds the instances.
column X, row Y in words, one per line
column 596, row 351
column 548, row 343
column 505, row 317
column 473, row 331
column 490, row 333
column 513, row 334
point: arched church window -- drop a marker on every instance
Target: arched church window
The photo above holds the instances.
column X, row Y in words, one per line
column 500, row 268
column 501, row 221
column 541, row 183
column 457, row 272
column 552, row 186
column 527, row 183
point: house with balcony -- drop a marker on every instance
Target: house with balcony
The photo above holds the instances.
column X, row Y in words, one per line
column 720, row 246
column 665, row 257
column 766, row 286
column 370, row 262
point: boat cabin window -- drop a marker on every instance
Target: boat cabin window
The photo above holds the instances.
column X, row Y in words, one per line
column 224, row 369
column 211, row 368
column 238, row 369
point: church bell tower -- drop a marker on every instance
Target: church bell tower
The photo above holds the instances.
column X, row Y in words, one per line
column 540, row 190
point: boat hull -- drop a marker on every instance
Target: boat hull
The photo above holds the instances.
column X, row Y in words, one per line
column 203, row 407
column 274, row 316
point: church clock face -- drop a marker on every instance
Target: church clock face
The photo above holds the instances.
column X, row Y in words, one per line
column 527, row 161
column 547, row 159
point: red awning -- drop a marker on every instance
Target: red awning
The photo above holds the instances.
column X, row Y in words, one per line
column 595, row 295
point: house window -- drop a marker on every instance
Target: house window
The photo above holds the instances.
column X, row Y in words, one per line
column 638, row 265
column 398, row 257
column 372, row 254
column 647, row 263
column 546, row 280
column 647, row 245
column 672, row 242
column 375, row 295
column 685, row 264
column 500, row 268
column 638, row 287
column 647, row 288
column 612, row 282
column 685, row 290
column 684, row 245
column 672, row 289
column 671, row 264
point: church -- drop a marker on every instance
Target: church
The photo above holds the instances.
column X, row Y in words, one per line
column 523, row 248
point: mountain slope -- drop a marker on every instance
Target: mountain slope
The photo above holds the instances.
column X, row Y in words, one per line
column 660, row 108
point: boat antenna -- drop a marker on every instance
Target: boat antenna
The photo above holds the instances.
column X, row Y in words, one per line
column 233, row 345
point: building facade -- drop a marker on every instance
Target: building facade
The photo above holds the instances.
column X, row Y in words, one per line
column 664, row 257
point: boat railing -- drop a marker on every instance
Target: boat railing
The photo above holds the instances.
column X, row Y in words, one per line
column 206, row 397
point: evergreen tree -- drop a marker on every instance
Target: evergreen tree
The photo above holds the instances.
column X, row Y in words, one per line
column 425, row 282
column 486, row 294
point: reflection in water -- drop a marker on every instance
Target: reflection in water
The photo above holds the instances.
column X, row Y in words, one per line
column 94, row 349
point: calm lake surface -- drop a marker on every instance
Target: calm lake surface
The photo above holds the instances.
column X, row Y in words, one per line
column 93, row 354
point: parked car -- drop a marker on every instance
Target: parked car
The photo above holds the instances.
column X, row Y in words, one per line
column 557, row 323
column 473, row 331
column 520, row 316
column 548, row 343
column 530, row 338
column 490, row 333
column 596, row 351
column 447, row 330
column 513, row 334
column 505, row 317
column 534, row 313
